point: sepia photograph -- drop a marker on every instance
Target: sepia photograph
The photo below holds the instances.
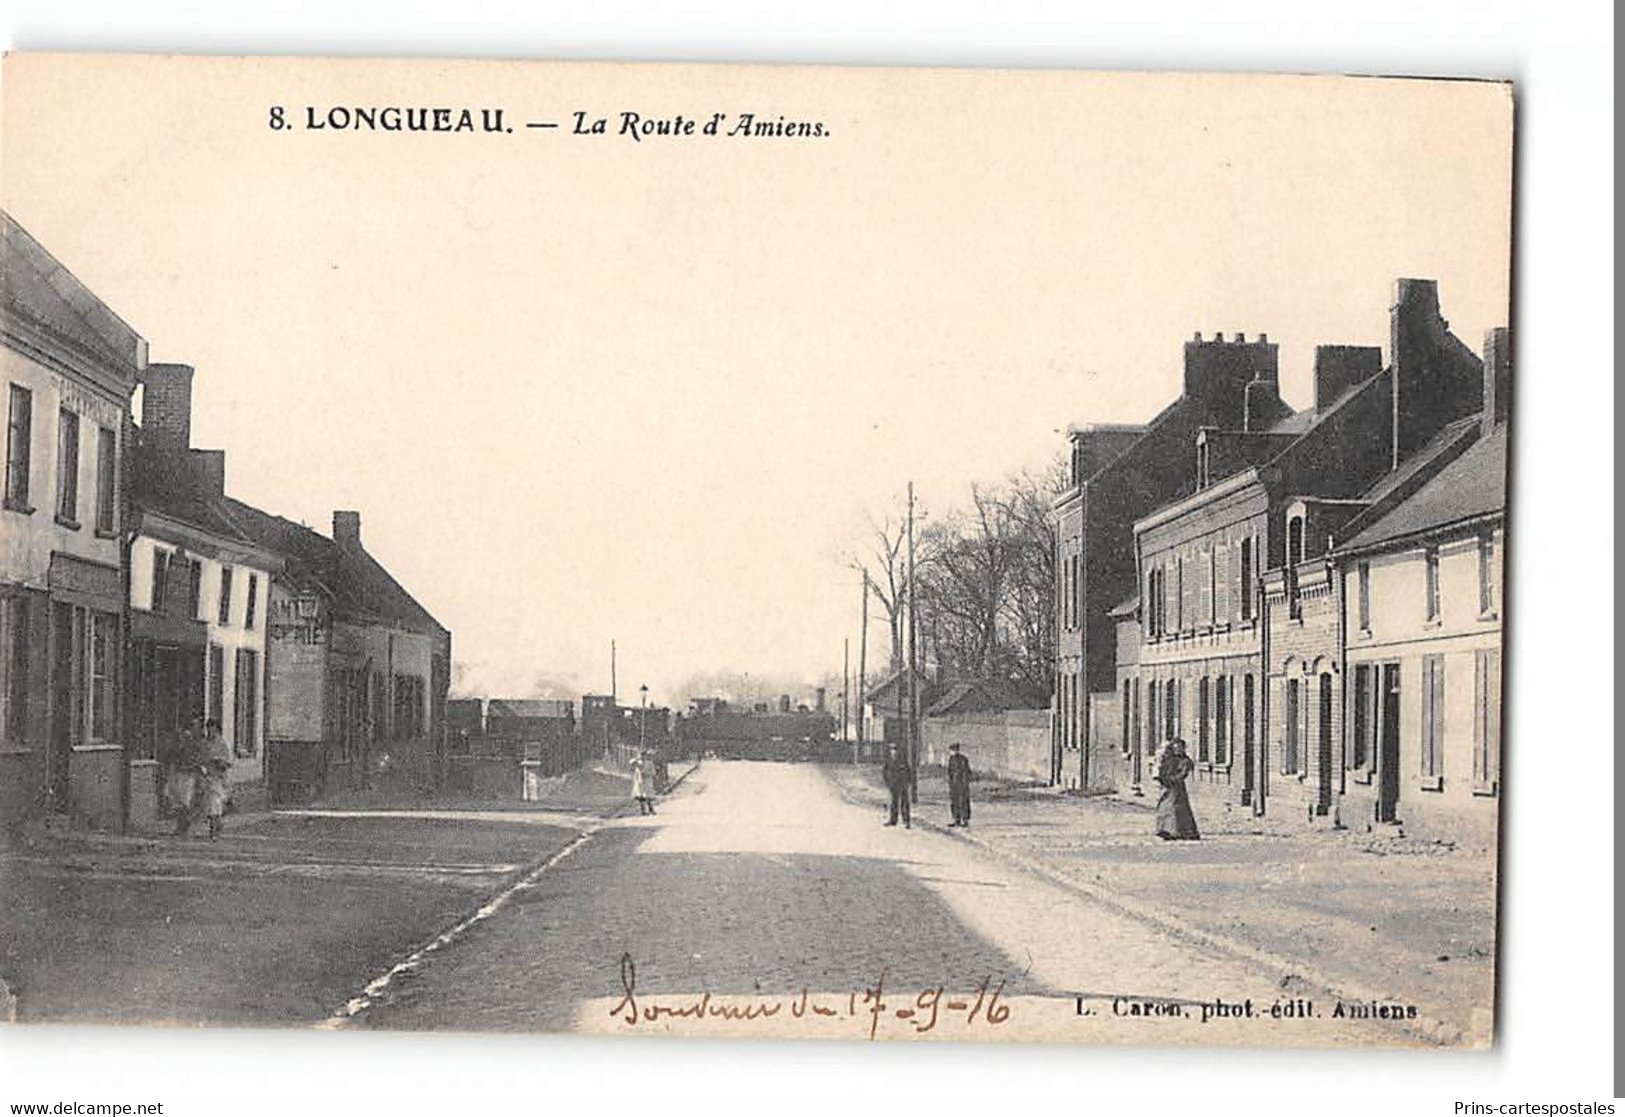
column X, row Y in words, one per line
column 689, row 550
column 755, row 552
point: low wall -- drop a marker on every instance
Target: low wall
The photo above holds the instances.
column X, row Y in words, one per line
column 1010, row 744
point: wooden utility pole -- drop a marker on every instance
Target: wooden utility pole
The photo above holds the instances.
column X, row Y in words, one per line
column 863, row 668
column 612, row 690
column 846, row 674
column 913, row 666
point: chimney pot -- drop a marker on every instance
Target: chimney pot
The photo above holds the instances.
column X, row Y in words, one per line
column 1198, row 336
column 347, row 528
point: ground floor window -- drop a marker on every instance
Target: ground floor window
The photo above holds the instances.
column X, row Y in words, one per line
column 247, row 702
column 1203, row 708
column 1292, row 720
column 215, row 706
column 1221, row 721
column 1128, row 717
column 103, row 656
column 1170, row 709
column 1487, row 721
column 14, row 659
column 1432, row 743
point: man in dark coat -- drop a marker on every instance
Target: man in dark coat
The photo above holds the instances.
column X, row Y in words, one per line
column 958, row 786
column 895, row 773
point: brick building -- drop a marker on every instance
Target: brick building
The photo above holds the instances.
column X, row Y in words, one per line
column 1261, row 717
column 70, row 367
column 1116, row 475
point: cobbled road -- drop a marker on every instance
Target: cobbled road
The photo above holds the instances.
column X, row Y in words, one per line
column 761, row 902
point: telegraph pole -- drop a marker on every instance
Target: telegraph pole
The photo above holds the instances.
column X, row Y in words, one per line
column 912, row 665
column 846, row 674
column 863, row 666
column 612, row 691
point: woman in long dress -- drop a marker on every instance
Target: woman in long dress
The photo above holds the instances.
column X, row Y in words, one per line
column 1175, row 820
column 640, row 784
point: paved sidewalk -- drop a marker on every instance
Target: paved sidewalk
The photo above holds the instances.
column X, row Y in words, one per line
column 1368, row 916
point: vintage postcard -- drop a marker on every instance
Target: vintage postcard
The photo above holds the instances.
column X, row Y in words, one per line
column 753, row 551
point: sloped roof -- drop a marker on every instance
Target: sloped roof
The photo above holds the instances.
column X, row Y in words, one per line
column 971, row 695
column 1470, row 488
column 35, row 285
column 357, row 582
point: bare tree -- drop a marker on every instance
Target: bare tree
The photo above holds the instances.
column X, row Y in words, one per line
column 882, row 558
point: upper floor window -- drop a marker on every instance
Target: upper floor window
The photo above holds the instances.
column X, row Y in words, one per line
column 1431, row 557
column 1486, row 574
column 1247, row 575
column 19, row 437
column 106, row 480
column 1294, row 541
column 195, row 586
column 224, row 615
column 1364, row 576
column 67, row 468
column 160, row 579
column 251, row 605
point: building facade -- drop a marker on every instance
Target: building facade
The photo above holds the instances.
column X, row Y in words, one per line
column 200, row 596
column 1240, row 652
column 1118, row 474
column 69, row 367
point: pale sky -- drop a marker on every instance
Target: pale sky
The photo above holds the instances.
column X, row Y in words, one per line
column 582, row 388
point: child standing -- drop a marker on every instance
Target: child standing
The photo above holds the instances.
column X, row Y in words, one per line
column 217, row 762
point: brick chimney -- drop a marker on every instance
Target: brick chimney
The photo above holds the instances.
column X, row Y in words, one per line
column 1340, row 367
column 1218, row 373
column 347, row 528
column 166, row 406
column 1437, row 379
column 1497, row 377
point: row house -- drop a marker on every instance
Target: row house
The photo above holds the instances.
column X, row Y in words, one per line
column 199, row 602
column 1389, row 646
column 359, row 670
column 70, row 367
column 1117, row 474
column 1235, row 588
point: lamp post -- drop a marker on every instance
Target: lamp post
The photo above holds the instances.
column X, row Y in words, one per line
column 643, row 716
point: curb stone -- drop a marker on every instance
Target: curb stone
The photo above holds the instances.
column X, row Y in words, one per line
column 1427, row 1028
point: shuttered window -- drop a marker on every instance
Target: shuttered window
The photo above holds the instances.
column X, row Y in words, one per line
column 1432, row 743
column 1204, row 709
column 1221, row 721
column 1487, row 722
column 1222, row 607
column 1291, row 721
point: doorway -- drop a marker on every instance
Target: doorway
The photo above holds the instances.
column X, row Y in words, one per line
column 1388, row 744
column 1323, row 755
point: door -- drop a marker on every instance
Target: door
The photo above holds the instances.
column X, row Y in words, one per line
column 1388, row 745
column 63, row 694
column 1323, row 802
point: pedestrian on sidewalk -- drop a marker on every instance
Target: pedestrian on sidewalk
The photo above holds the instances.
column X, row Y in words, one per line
column 641, row 780
column 896, row 775
column 215, row 793
column 182, row 760
column 958, row 786
column 1175, row 820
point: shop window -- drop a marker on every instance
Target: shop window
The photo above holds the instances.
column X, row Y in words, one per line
column 14, row 658
column 102, row 659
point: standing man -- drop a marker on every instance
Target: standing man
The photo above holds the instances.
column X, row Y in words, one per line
column 895, row 773
column 958, row 786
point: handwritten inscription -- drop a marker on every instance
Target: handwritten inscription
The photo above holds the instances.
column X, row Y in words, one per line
column 871, row 1008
